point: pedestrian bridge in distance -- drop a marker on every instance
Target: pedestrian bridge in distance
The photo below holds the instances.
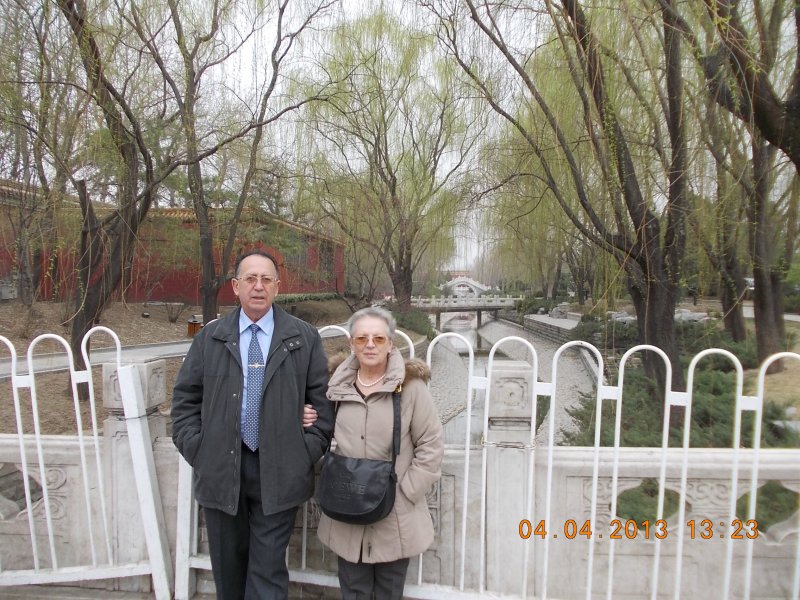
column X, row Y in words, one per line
column 450, row 304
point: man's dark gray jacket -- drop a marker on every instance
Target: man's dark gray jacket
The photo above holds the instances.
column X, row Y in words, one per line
column 206, row 408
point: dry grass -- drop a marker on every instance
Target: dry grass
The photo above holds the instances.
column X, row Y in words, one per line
column 21, row 324
column 781, row 388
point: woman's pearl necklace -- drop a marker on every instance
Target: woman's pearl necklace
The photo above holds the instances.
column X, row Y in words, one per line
column 364, row 384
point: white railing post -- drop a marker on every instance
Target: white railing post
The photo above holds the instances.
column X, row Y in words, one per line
column 185, row 534
column 144, row 471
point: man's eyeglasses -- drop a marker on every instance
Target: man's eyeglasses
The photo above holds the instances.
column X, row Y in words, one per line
column 362, row 340
column 253, row 279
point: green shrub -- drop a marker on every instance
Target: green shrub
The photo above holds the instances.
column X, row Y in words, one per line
column 607, row 334
column 291, row 298
column 791, row 303
column 531, row 305
column 774, row 504
column 712, row 418
column 413, row 319
column 696, row 337
column 692, row 337
column 641, row 504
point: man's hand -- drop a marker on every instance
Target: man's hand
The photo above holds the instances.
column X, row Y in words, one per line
column 309, row 415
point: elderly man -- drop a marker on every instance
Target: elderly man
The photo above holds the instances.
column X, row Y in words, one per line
column 237, row 418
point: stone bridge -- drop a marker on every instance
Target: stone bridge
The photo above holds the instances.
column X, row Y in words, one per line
column 464, row 286
column 450, row 304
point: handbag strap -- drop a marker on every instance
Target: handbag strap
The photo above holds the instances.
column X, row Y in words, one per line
column 396, row 427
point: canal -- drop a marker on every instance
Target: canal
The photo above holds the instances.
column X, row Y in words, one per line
column 450, row 373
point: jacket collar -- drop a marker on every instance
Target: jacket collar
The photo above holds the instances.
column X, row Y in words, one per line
column 285, row 327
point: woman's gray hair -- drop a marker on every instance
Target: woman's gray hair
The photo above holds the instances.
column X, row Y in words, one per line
column 373, row 311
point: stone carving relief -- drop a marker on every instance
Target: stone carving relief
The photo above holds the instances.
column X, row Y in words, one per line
column 157, row 378
column 707, row 498
column 12, row 491
column 314, row 514
column 57, row 492
column 604, row 495
column 511, row 393
column 434, row 499
column 56, row 478
column 152, row 375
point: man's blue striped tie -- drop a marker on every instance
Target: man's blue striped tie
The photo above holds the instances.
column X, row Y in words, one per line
column 255, row 378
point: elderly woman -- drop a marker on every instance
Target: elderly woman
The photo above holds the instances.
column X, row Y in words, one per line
column 373, row 559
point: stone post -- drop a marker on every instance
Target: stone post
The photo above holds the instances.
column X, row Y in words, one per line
column 128, row 541
column 507, row 472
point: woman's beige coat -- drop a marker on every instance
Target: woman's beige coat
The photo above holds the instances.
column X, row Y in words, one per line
column 364, row 430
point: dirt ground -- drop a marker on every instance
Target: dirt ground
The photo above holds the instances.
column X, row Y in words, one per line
column 20, row 325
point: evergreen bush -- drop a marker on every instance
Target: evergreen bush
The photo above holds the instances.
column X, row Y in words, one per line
column 413, row 319
column 711, row 426
column 791, row 303
column 530, row 305
column 292, row 298
column 711, row 420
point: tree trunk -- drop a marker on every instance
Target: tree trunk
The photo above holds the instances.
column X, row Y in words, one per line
column 556, row 280
column 106, row 248
column 209, row 287
column 86, row 291
column 25, row 275
column 655, row 313
column 726, row 260
column 731, row 291
column 402, row 285
column 769, row 323
column 580, row 293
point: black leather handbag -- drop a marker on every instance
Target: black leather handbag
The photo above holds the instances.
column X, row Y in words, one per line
column 360, row 490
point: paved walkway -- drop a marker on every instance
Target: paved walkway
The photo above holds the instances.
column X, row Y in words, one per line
column 43, row 363
column 748, row 314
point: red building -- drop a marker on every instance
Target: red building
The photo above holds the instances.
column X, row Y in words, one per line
column 166, row 266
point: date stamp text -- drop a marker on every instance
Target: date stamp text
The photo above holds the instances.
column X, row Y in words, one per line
column 630, row 529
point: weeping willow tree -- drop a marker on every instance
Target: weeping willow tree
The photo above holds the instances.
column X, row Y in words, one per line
column 529, row 240
column 748, row 51
column 610, row 145
column 40, row 139
column 389, row 144
column 534, row 239
column 203, row 40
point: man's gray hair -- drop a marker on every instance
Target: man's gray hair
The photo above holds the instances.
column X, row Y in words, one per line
column 373, row 311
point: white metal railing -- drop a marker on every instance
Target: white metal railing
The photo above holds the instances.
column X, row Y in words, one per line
column 49, row 565
column 473, row 383
column 555, row 484
column 605, row 473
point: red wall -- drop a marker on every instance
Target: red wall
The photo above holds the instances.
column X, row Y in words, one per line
column 161, row 272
